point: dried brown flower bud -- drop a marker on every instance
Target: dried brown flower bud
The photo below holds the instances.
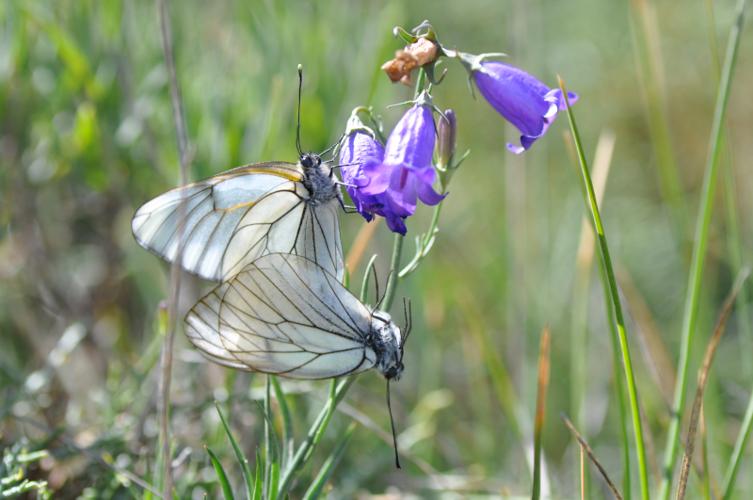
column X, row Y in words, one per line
column 411, row 57
column 424, row 50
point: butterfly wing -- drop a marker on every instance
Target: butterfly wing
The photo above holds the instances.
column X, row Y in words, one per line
column 233, row 218
column 283, row 314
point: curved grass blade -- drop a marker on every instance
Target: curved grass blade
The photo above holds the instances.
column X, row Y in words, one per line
column 258, row 487
column 227, row 491
column 316, row 487
column 242, row 460
column 737, row 453
column 585, row 447
column 614, row 296
column 287, row 421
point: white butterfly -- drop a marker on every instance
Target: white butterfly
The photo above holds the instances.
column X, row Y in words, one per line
column 286, row 315
column 237, row 216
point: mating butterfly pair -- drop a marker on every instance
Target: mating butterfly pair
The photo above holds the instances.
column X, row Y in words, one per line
column 269, row 233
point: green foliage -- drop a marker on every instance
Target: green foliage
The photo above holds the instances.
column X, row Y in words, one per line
column 13, row 471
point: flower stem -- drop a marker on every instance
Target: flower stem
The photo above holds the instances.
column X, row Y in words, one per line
column 394, row 276
column 615, row 298
column 703, row 221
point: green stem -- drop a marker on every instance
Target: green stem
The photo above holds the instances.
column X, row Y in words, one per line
column 394, row 277
column 703, row 221
column 737, row 453
column 615, row 299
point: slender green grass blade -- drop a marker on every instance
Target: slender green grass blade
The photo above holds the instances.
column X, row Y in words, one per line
column 242, row 460
column 619, row 388
column 703, row 222
column 272, row 457
column 621, row 397
column 287, row 421
column 737, row 453
column 227, row 491
column 274, row 480
column 614, row 298
column 317, row 485
column 315, row 432
column 258, row 487
column 581, row 293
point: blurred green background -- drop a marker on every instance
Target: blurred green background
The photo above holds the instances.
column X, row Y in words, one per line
column 86, row 136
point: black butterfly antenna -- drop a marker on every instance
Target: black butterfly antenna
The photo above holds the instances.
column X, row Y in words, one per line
column 298, row 125
column 392, row 425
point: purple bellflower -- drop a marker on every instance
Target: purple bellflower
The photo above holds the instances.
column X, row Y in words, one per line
column 406, row 174
column 389, row 181
column 360, row 150
column 520, row 98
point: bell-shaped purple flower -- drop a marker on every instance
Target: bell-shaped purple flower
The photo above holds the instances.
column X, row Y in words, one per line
column 358, row 151
column 406, row 174
column 520, row 98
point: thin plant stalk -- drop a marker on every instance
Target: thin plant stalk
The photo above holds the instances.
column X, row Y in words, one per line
column 615, row 300
column 734, row 243
column 619, row 388
column 167, row 349
column 581, row 287
column 703, row 375
column 703, row 222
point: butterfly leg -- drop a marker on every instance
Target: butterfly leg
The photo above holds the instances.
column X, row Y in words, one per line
column 348, row 209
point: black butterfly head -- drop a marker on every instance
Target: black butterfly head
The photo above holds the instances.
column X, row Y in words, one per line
column 310, row 161
column 394, row 371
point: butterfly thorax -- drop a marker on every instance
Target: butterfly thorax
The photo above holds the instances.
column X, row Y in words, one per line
column 318, row 179
column 386, row 340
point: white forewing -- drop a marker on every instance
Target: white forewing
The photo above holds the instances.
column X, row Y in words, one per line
column 234, row 218
column 320, row 239
column 283, row 314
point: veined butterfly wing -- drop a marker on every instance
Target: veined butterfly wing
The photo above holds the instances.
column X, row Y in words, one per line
column 284, row 314
column 237, row 216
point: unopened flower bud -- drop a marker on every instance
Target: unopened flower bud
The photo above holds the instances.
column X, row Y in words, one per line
column 447, row 132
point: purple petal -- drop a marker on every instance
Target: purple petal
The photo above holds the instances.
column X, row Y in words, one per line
column 557, row 95
column 396, row 224
column 411, row 142
column 402, row 191
column 378, row 176
column 427, row 194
